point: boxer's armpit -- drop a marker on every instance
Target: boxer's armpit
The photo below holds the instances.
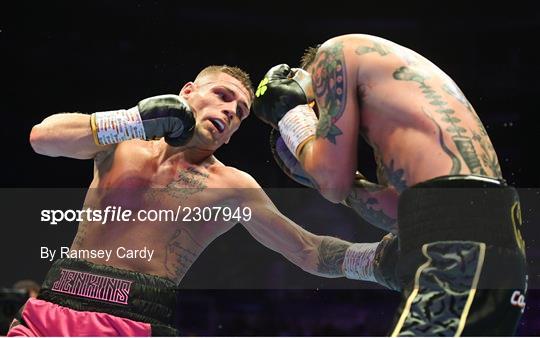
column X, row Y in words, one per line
column 330, row 254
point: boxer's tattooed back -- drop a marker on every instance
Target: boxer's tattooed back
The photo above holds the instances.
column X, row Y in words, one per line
column 462, row 140
column 489, row 157
column 377, row 48
column 329, row 82
column 453, row 90
column 331, row 253
column 395, row 176
column 456, row 163
column 408, row 56
column 387, row 174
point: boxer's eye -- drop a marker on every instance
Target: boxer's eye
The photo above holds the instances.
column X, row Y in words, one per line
column 240, row 113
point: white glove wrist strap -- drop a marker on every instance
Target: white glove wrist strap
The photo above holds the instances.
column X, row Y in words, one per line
column 115, row 126
column 298, row 126
column 358, row 261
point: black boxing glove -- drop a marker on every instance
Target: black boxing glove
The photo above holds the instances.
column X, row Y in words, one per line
column 385, row 263
column 281, row 89
column 166, row 116
column 375, row 262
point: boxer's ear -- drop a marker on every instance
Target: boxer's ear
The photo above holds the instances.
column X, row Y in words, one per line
column 187, row 89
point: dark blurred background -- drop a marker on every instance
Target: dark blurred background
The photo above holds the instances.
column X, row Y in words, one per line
column 60, row 56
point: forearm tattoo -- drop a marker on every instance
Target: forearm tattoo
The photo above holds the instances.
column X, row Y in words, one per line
column 331, row 253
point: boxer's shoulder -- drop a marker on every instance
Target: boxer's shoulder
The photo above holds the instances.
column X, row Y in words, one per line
column 233, row 177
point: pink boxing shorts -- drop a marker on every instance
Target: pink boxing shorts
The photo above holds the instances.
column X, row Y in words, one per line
column 79, row 298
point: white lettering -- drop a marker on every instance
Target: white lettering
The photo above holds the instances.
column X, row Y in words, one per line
column 517, row 299
column 143, row 253
column 46, row 253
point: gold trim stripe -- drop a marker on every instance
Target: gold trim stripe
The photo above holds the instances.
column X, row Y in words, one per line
column 472, row 292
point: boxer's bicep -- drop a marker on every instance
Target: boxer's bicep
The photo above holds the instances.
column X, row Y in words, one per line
column 67, row 135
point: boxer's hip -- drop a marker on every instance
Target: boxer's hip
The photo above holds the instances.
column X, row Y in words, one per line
column 84, row 286
column 456, row 212
column 457, row 208
column 462, row 258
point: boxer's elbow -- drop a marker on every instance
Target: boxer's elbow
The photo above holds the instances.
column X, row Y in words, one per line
column 334, row 192
column 333, row 182
column 333, row 185
column 38, row 140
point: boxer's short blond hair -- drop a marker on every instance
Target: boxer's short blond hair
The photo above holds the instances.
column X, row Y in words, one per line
column 235, row 72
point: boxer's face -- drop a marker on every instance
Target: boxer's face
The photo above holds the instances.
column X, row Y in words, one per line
column 220, row 103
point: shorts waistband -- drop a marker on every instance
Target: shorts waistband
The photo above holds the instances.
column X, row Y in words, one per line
column 85, row 286
column 459, row 208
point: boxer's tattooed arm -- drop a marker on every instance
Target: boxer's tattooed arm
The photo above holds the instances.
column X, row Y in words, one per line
column 377, row 48
column 329, row 81
column 462, row 141
column 330, row 254
column 180, row 253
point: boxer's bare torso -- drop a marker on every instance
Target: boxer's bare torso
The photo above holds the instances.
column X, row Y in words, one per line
column 191, row 197
column 417, row 120
column 138, row 175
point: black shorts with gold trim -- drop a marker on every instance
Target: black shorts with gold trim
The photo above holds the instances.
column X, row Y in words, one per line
column 462, row 258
